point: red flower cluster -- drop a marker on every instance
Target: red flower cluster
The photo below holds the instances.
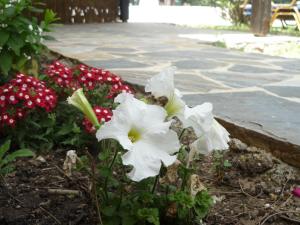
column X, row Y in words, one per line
column 62, row 75
column 83, row 76
column 103, row 115
column 20, row 95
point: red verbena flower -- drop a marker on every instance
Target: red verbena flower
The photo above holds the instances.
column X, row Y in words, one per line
column 83, row 76
column 103, row 115
column 22, row 94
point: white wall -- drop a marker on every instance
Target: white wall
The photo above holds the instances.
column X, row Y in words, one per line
column 183, row 15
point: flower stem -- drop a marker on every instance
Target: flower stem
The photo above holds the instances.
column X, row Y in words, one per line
column 181, row 134
column 155, row 184
column 94, row 186
column 110, row 167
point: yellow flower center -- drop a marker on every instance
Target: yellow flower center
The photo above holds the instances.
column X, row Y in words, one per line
column 134, row 135
column 172, row 107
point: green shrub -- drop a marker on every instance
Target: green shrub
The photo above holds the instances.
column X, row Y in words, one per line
column 21, row 36
column 232, row 9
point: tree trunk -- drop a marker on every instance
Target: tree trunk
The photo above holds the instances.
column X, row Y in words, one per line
column 261, row 17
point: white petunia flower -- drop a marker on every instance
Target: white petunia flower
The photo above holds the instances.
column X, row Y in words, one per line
column 161, row 85
column 200, row 118
column 141, row 129
column 216, row 138
column 211, row 135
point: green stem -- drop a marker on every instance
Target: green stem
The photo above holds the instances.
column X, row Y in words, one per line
column 110, row 167
column 114, row 159
column 155, row 184
column 181, row 134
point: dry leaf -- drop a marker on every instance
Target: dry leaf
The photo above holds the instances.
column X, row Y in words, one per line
column 196, row 185
column 70, row 162
column 171, row 176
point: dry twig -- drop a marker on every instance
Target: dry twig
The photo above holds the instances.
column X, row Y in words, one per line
column 94, row 181
column 64, row 192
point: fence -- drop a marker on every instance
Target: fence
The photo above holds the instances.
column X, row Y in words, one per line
column 84, row 11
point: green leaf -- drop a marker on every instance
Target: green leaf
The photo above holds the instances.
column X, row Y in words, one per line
column 16, row 43
column 5, row 62
column 21, row 63
column 20, row 153
column 112, row 221
column 50, row 16
column 66, row 129
column 7, row 169
column 203, row 202
column 3, row 37
column 182, row 198
column 34, row 9
column 9, row 12
column 128, row 220
column 109, row 210
column 17, row 154
column 104, row 155
column 105, row 171
column 227, row 164
column 4, row 148
column 151, row 215
column 184, row 202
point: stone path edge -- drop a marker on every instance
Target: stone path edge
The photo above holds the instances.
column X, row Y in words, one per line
column 285, row 151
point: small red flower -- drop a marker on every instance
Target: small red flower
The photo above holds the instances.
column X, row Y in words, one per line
column 21, row 95
column 103, row 115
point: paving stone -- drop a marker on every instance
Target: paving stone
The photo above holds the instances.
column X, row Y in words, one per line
column 194, row 83
column 256, row 110
column 115, row 63
column 285, row 91
column 135, row 77
column 192, row 55
column 253, row 69
column 118, row 50
column 244, row 79
column 290, row 64
column 198, row 64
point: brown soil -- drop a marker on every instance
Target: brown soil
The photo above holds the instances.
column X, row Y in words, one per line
column 255, row 190
column 25, row 197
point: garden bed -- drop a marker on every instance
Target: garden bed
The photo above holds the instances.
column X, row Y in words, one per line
column 255, row 189
column 249, row 186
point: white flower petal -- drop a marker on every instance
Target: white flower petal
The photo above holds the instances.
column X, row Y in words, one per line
column 117, row 128
column 168, row 142
column 142, row 130
column 199, row 117
column 147, row 155
column 162, row 84
column 216, row 138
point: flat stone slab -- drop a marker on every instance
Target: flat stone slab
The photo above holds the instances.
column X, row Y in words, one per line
column 256, row 110
column 115, row 63
column 245, row 79
column 203, row 64
column 291, row 92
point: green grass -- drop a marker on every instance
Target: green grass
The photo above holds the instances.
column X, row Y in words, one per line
column 291, row 31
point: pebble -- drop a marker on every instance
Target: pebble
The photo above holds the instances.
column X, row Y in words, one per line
column 236, row 144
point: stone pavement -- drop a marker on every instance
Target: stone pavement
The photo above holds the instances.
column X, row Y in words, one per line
column 252, row 90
